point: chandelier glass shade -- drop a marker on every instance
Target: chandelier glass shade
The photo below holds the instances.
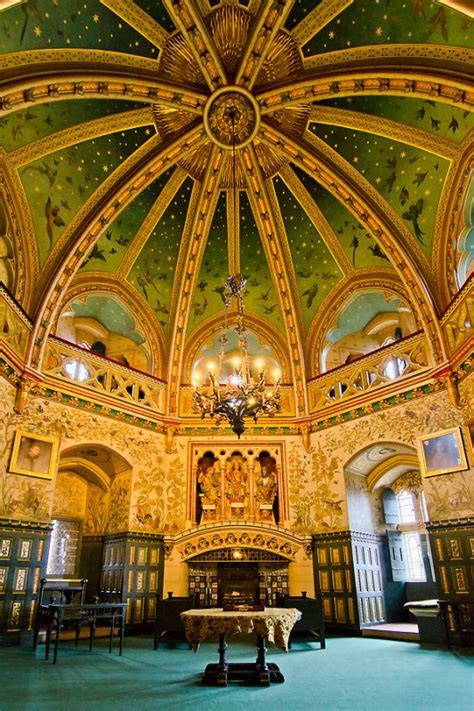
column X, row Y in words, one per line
column 245, row 393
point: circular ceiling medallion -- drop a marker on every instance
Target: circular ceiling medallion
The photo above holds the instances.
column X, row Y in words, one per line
column 231, row 110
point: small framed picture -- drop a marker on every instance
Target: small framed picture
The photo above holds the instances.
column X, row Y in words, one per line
column 34, row 454
column 442, row 452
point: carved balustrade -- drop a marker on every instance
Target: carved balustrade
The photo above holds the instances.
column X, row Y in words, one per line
column 378, row 370
column 14, row 326
column 87, row 371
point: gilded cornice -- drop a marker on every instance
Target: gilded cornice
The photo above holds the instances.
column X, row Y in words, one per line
column 317, row 19
column 206, row 331
column 102, row 282
column 186, row 279
column 140, row 20
column 135, row 180
column 81, row 132
column 317, row 218
column 151, row 220
column 410, row 135
column 270, row 18
column 366, row 279
column 371, row 210
column 264, row 218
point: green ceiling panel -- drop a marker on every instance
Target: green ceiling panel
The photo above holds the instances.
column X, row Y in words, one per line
column 299, row 11
column 119, row 235
column 153, row 272
column 411, row 180
column 436, row 118
column 156, row 9
column 359, row 246
column 50, row 24
column 58, row 185
column 261, row 298
column 208, row 297
column 316, row 270
column 30, row 124
column 372, row 22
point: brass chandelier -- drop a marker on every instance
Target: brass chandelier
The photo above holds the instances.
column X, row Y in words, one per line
column 243, row 394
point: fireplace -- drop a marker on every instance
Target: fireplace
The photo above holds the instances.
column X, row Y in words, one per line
column 238, row 583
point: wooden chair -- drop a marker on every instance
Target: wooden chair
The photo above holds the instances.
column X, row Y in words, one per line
column 311, row 625
column 168, row 623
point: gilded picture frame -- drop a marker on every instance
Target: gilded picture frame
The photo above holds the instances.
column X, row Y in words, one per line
column 442, row 452
column 34, row 454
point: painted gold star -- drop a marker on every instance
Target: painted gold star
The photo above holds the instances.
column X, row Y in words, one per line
column 95, row 18
column 37, row 31
column 378, row 31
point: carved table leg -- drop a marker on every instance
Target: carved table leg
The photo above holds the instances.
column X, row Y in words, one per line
column 262, row 667
column 223, row 665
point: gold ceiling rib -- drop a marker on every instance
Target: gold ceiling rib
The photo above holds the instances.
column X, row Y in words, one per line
column 366, row 279
column 26, row 248
column 80, row 132
column 455, row 61
column 317, row 218
column 259, row 201
column 340, row 168
column 371, row 80
column 154, row 215
column 445, row 211
column 16, row 63
column 443, row 147
column 188, row 19
column 108, row 186
column 317, row 19
column 102, row 282
column 371, row 210
column 93, row 225
column 269, row 20
column 280, row 230
column 186, row 278
column 36, row 84
column 140, row 20
column 445, row 246
column 233, row 232
column 186, row 236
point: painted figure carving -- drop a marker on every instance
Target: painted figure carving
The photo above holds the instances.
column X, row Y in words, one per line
column 266, row 486
column 236, row 482
column 208, row 481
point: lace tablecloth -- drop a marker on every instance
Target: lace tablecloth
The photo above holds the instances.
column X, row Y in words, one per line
column 274, row 624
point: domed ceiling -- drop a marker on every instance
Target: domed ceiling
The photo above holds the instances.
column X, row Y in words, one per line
column 351, row 123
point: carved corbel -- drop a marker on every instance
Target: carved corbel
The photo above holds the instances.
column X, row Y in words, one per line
column 451, row 382
column 25, row 386
column 305, row 432
column 169, row 441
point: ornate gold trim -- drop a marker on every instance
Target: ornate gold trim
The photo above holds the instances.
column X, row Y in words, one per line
column 186, row 279
column 317, row 19
column 317, row 218
column 259, row 201
column 271, row 17
column 140, row 20
column 78, row 133
column 416, row 137
column 410, row 460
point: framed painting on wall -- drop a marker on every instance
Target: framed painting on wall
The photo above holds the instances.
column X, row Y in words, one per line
column 442, row 452
column 34, row 454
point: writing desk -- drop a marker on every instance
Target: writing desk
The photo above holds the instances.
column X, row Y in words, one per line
column 57, row 615
column 273, row 624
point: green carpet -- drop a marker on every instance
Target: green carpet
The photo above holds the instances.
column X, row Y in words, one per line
column 352, row 673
